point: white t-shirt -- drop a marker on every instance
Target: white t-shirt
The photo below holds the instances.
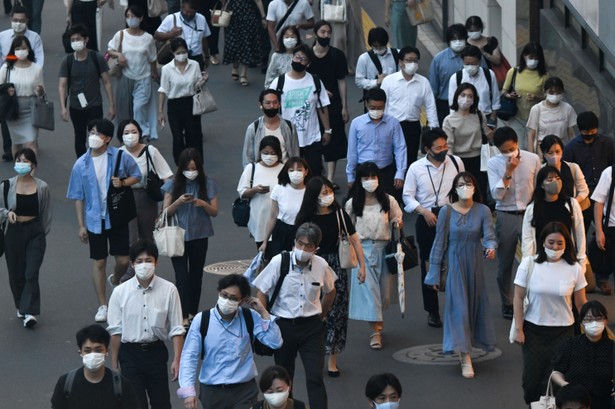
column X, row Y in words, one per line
column 139, row 51
column 552, row 121
column 161, row 167
column 299, row 104
column 278, row 8
column 550, row 291
column 601, row 194
column 192, row 31
column 289, row 202
column 278, row 134
column 100, row 169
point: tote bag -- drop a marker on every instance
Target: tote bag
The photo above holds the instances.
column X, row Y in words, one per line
column 334, row 11
column 347, row 255
column 169, row 238
column 420, row 13
column 43, row 113
column 203, row 102
column 120, row 200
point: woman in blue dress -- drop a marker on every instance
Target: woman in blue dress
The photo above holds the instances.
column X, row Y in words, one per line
column 467, row 317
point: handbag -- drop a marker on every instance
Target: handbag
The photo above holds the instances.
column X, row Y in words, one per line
column 547, row 401
column 347, row 255
column 411, row 257
column 155, row 8
column 334, row 11
column 165, row 54
column 221, row 17
column 115, row 69
column 153, row 183
column 203, row 102
column 513, row 332
column 66, row 40
column 9, row 105
column 487, row 149
column 241, row 207
column 508, row 106
column 120, row 200
column 421, row 12
column 444, row 264
column 43, row 116
column 169, row 238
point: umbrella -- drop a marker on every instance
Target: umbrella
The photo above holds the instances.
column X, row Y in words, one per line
column 401, row 290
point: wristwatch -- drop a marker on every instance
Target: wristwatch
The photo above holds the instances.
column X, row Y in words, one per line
column 329, row 131
column 507, row 177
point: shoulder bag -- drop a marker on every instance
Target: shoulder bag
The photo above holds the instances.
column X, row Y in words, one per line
column 508, row 106
column 153, row 183
column 164, row 54
column 411, row 258
column 334, row 11
column 347, row 255
column 115, row 69
column 9, row 107
column 285, row 17
column 220, row 17
column 203, row 102
column 169, row 238
column 120, row 200
column 546, row 401
column 43, row 113
column 444, row 264
column 241, row 207
column 530, row 269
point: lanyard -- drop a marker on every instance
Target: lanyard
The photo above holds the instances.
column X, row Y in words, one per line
column 437, row 193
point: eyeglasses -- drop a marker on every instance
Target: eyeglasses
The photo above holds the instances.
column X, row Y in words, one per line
column 229, row 297
column 587, row 320
column 299, row 58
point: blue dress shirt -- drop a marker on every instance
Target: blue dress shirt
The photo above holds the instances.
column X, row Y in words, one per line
column 443, row 65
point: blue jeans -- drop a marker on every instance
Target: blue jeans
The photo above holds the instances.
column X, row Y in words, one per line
column 35, row 12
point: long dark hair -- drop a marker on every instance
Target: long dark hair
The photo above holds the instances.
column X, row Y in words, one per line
column 556, row 227
column 309, row 206
column 281, row 47
column 357, row 193
column 566, row 174
column 469, row 178
column 179, row 180
column 535, row 48
column 18, row 42
column 538, row 196
column 462, row 87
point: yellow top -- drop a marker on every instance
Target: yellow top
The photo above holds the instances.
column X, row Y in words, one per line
column 527, row 82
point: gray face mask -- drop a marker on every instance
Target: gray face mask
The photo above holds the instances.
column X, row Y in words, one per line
column 553, row 187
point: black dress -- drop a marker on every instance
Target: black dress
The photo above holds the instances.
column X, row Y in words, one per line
column 242, row 40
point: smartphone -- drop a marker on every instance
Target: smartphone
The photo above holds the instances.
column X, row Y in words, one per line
column 267, row 188
column 491, row 126
column 187, row 196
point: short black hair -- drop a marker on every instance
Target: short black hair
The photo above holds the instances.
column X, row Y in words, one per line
column 27, row 153
column 379, row 35
column 123, row 124
column 235, row 279
column 378, row 383
column 305, row 49
column 95, row 333
column 554, row 82
column 456, row 30
column 375, row 94
column 273, row 142
column 194, row 4
column 503, row 134
column 266, row 92
column 587, row 120
column 321, row 23
column 103, row 126
column 474, row 21
column 178, row 42
column 428, row 136
column 408, row 50
column 471, row 51
column 79, row 29
column 143, row 246
column 19, row 9
column 595, row 307
column 573, row 392
column 468, row 178
column 272, row 373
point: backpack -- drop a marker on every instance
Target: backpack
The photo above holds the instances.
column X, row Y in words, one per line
column 376, row 61
column 459, row 76
column 280, row 87
column 117, row 384
column 69, row 65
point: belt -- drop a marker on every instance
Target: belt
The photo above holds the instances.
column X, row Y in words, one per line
column 513, row 212
column 144, row 346
column 410, row 122
column 28, row 222
column 300, row 320
column 229, row 385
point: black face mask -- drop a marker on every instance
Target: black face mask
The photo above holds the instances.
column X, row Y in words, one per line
column 187, row 18
column 323, row 42
column 297, row 66
column 588, row 137
column 439, row 157
column 271, row 112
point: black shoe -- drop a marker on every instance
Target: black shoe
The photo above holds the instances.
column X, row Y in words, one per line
column 433, row 320
column 7, row 157
column 507, row 312
column 334, row 374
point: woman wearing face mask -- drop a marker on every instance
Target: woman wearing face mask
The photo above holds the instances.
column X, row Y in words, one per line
column 256, row 182
column 275, row 384
column 178, row 82
column 28, row 80
column 319, row 207
column 373, row 213
column 489, row 46
column 135, row 51
column 551, row 116
column 550, row 280
column 286, row 198
column 193, row 197
column 282, row 57
column 383, row 391
column 131, row 136
column 587, row 359
column 28, row 212
column 467, row 318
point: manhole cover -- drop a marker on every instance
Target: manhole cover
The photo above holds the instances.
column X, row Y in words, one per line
column 433, row 355
column 228, row 267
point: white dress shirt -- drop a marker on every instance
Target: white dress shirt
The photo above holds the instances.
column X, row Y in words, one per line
column 176, row 84
column 7, row 37
column 519, row 192
column 405, row 98
column 192, row 31
column 145, row 314
column 366, row 74
column 486, row 103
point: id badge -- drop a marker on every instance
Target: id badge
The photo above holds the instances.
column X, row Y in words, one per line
column 82, row 101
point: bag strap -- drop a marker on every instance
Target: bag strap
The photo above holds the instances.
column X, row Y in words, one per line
column 148, row 160
column 252, row 177
column 121, row 40
column 284, row 269
column 512, row 82
column 288, row 13
column 247, row 317
column 454, row 162
column 117, row 163
column 447, row 225
column 487, row 73
column 203, row 330
column 605, row 219
column 530, row 269
column 68, row 383
column 6, row 186
column 375, row 60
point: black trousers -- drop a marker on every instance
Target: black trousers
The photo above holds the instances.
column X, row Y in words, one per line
column 189, row 274
column 443, row 109
column 185, row 127
column 425, row 237
column 84, row 12
column 146, row 369
column 25, row 246
column 205, row 9
column 313, row 156
column 80, row 119
column 6, row 140
column 305, row 336
column 412, row 135
column 472, row 165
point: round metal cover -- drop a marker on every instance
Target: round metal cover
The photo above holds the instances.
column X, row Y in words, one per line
column 225, row 268
column 433, row 355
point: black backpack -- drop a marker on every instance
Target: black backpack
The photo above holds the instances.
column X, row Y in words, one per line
column 487, row 72
column 117, row 384
column 280, row 87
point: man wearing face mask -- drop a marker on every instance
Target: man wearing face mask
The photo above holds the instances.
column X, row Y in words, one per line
column 512, row 176
column 305, row 296
column 428, row 182
column 90, row 179
column 93, row 386
column 374, row 65
column 144, row 312
column 271, row 123
column 408, row 92
column 228, row 375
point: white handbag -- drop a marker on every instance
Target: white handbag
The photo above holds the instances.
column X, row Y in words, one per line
column 513, row 332
column 347, row 255
column 334, row 11
column 169, row 237
column 546, row 401
column 487, row 152
column 203, row 102
column 221, row 17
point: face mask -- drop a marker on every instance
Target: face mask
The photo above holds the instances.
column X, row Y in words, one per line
column 133, row 22
column 554, row 99
column 370, row 185
column 464, row 102
column 509, row 154
column 181, row 57
column 21, row 54
column 269, row 159
column 465, row 192
column 411, row 67
column 187, row 18
column 95, row 142
column 77, row 45
column 145, row 271
column 22, row 168
column 593, row 328
column 325, row 201
column 296, row 176
column 554, row 254
column 130, row 139
column 289, row 42
column 588, row 137
column 271, row 112
column 323, row 42
column 303, row 256
column 553, row 160
column 457, row 45
column 387, row 405
column 531, row 64
column 94, row 360
column 375, row 113
column 226, row 306
column 439, row 157
column 380, row 51
column 190, row 174
column 18, row 27
column 297, row 66
column 276, row 399
column 474, row 35
column 472, row 70
column 553, row 187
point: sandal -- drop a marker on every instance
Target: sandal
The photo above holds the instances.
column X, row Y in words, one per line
column 375, row 341
column 467, row 371
column 235, row 74
column 243, row 80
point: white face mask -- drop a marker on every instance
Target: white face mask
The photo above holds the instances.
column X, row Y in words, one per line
column 387, row 405
column 181, row 57
column 509, row 154
column 465, row 103
column 133, row 22
column 130, row 139
column 554, row 99
column 465, row 192
column 474, row 35
column 593, row 328
column 190, row 174
column 21, row 54
column 411, row 67
column 295, row 176
column 18, row 27
column 457, row 45
column 472, row 70
column 380, row 50
column 77, row 45
column 269, row 159
column 276, row 399
column 554, row 254
column 531, row 64
column 325, row 201
column 93, row 361
column 375, row 113
column 145, row 271
column 303, row 256
column 95, row 142
column 226, row 306
column 289, row 42
column 370, row 185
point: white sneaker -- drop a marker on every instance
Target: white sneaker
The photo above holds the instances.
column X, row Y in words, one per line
column 101, row 315
column 29, row 321
column 20, row 315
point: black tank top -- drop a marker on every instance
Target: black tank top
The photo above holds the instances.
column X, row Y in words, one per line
column 27, row 205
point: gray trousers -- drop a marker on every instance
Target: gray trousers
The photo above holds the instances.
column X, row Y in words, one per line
column 508, row 231
column 237, row 396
